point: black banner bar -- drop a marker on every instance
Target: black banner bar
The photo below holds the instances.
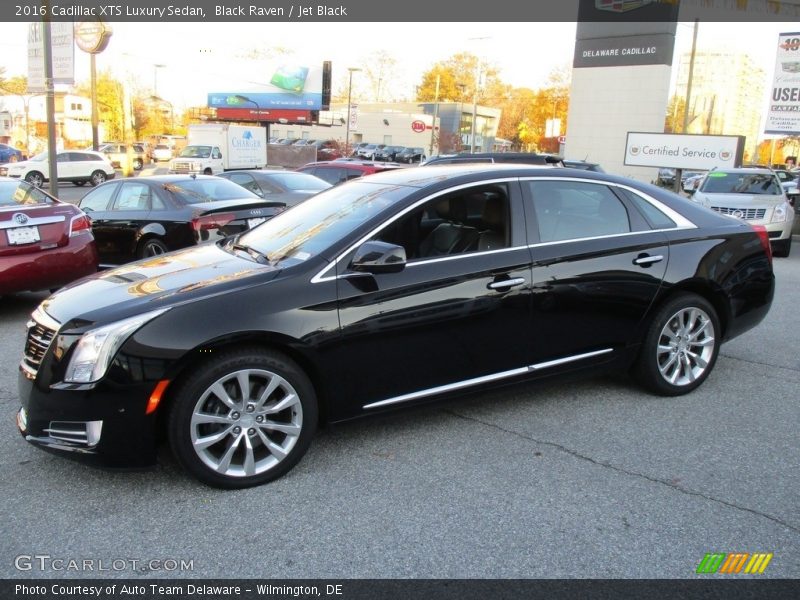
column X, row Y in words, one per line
column 393, row 589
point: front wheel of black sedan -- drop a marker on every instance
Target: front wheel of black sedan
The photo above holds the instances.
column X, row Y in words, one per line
column 681, row 346
column 243, row 418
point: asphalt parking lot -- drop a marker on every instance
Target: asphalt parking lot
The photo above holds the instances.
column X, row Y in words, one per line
column 592, row 479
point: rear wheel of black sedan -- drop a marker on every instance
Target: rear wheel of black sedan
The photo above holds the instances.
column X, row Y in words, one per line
column 151, row 247
column 243, row 418
column 681, row 346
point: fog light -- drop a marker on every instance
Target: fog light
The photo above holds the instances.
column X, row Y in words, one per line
column 22, row 420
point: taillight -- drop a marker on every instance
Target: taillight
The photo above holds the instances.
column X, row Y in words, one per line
column 763, row 237
column 79, row 224
column 216, row 221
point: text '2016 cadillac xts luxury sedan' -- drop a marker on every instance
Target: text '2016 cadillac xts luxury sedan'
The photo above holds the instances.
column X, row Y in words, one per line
column 386, row 292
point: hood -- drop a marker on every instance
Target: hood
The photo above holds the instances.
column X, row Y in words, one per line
column 739, row 200
column 152, row 283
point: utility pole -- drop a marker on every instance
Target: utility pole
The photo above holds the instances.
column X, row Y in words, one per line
column 49, row 86
column 435, row 112
column 678, row 187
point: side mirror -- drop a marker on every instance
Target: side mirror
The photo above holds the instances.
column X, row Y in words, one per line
column 379, row 257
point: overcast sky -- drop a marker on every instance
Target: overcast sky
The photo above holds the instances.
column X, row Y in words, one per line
column 205, row 57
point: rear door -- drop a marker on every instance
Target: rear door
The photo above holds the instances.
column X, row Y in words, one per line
column 597, row 266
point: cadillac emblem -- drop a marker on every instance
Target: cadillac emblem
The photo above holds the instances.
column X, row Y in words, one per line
column 739, row 214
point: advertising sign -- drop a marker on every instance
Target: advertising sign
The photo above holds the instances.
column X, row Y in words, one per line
column 783, row 114
column 353, row 116
column 295, row 87
column 681, row 151
column 63, row 47
column 275, row 116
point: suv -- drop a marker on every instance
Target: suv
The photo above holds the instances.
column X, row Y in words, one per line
column 527, row 158
column 754, row 195
column 413, row 154
column 339, row 171
column 118, row 154
column 77, row 166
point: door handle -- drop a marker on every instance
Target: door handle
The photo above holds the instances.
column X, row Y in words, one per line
column 506, row 284
column 645, row 260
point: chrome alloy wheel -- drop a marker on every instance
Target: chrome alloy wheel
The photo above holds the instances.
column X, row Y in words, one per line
column 686, row 346
column 246, row 423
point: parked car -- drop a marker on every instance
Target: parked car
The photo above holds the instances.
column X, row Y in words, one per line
column 356, row 148
column 410, row 155
column 666, row 177
column 527, row 158
column 389, row 153
column 383, row 293
column 76, row 166
column 141, row 217
column 286, row 187
column 118, row 154
column 44, row 243
column 753, row 195
column 341, row 170
column 327, row 149
column 162, row 152
column 368, row 152
column 9, row 154
column 692, row 180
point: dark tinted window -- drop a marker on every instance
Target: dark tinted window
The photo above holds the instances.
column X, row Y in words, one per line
column 567, row 210
column 244, row 180
column 99, row 198
column 195, row 191
column 655, row 218
column 719, row 182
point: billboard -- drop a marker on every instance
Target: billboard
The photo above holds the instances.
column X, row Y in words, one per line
column 63, row 53
column 783, row 114
column 297, row 87
column 682, row 151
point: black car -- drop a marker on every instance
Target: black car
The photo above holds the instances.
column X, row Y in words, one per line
column 527, row 158
column 286, row 187
column 389, row 153
column 410, row 155
column 382, row 293
column 139, row 217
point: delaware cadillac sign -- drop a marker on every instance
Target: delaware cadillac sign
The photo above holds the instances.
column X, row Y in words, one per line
column 703, row 152
column 783, row 116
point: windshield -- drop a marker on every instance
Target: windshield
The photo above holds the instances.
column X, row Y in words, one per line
column 741, row 183
column 309, row 228
column 196, row 191
column 300, row 181
column 196, row 152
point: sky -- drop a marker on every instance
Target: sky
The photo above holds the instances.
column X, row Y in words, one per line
column 203, row 57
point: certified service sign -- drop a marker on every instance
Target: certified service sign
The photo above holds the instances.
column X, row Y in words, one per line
column 701, row 152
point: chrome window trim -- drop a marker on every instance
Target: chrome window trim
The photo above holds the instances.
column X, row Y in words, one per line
column 485, row 379
column 321, row 277
column 34, row 221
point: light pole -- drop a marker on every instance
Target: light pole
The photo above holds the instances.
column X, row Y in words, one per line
column 155, row 78
column 475, row 97
column 241, row 98
column 349, row 108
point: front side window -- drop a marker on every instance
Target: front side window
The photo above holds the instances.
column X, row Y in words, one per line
column 567, row 210
column 469, row 220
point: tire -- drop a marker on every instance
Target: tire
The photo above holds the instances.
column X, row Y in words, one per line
column 97, row 178
column 782, row 248
column 670, row 363
column 208, row 171
column 137, row 164
column 151, row 247
column 80, row 183
column 227, row 438
column 35, row 178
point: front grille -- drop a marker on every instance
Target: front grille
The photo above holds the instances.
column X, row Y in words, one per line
column 180, row 167
column 748, row 214
column 40, row 336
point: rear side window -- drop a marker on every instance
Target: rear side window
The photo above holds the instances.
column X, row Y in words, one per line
column 133, row 196
column 99, row 198
column 567, row 210
column 655, row 218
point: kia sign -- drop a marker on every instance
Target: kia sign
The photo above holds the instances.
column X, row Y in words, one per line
column 702, row 152
column 783, row 115
column 418, row 126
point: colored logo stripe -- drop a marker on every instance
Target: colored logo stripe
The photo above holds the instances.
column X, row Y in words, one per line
column 733, row 562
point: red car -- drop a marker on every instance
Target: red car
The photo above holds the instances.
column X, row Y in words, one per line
column 44, row 243
column 343, row 169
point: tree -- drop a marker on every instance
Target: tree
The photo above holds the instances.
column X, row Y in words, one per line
column 458, row 76
column 110, row 99
column 378, row 72
column 673, row 122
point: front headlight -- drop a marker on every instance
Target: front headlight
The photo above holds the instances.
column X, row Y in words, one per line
column 97, row 347
column 781, row 213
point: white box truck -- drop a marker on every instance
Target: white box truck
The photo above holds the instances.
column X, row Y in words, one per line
column 216, row 147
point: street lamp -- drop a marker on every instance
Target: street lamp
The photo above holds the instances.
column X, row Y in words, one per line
column 155, row 78
column 475, row 97
column 240, row 98
column 349, row 109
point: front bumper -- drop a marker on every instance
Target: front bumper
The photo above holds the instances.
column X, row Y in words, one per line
column 102, row 426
